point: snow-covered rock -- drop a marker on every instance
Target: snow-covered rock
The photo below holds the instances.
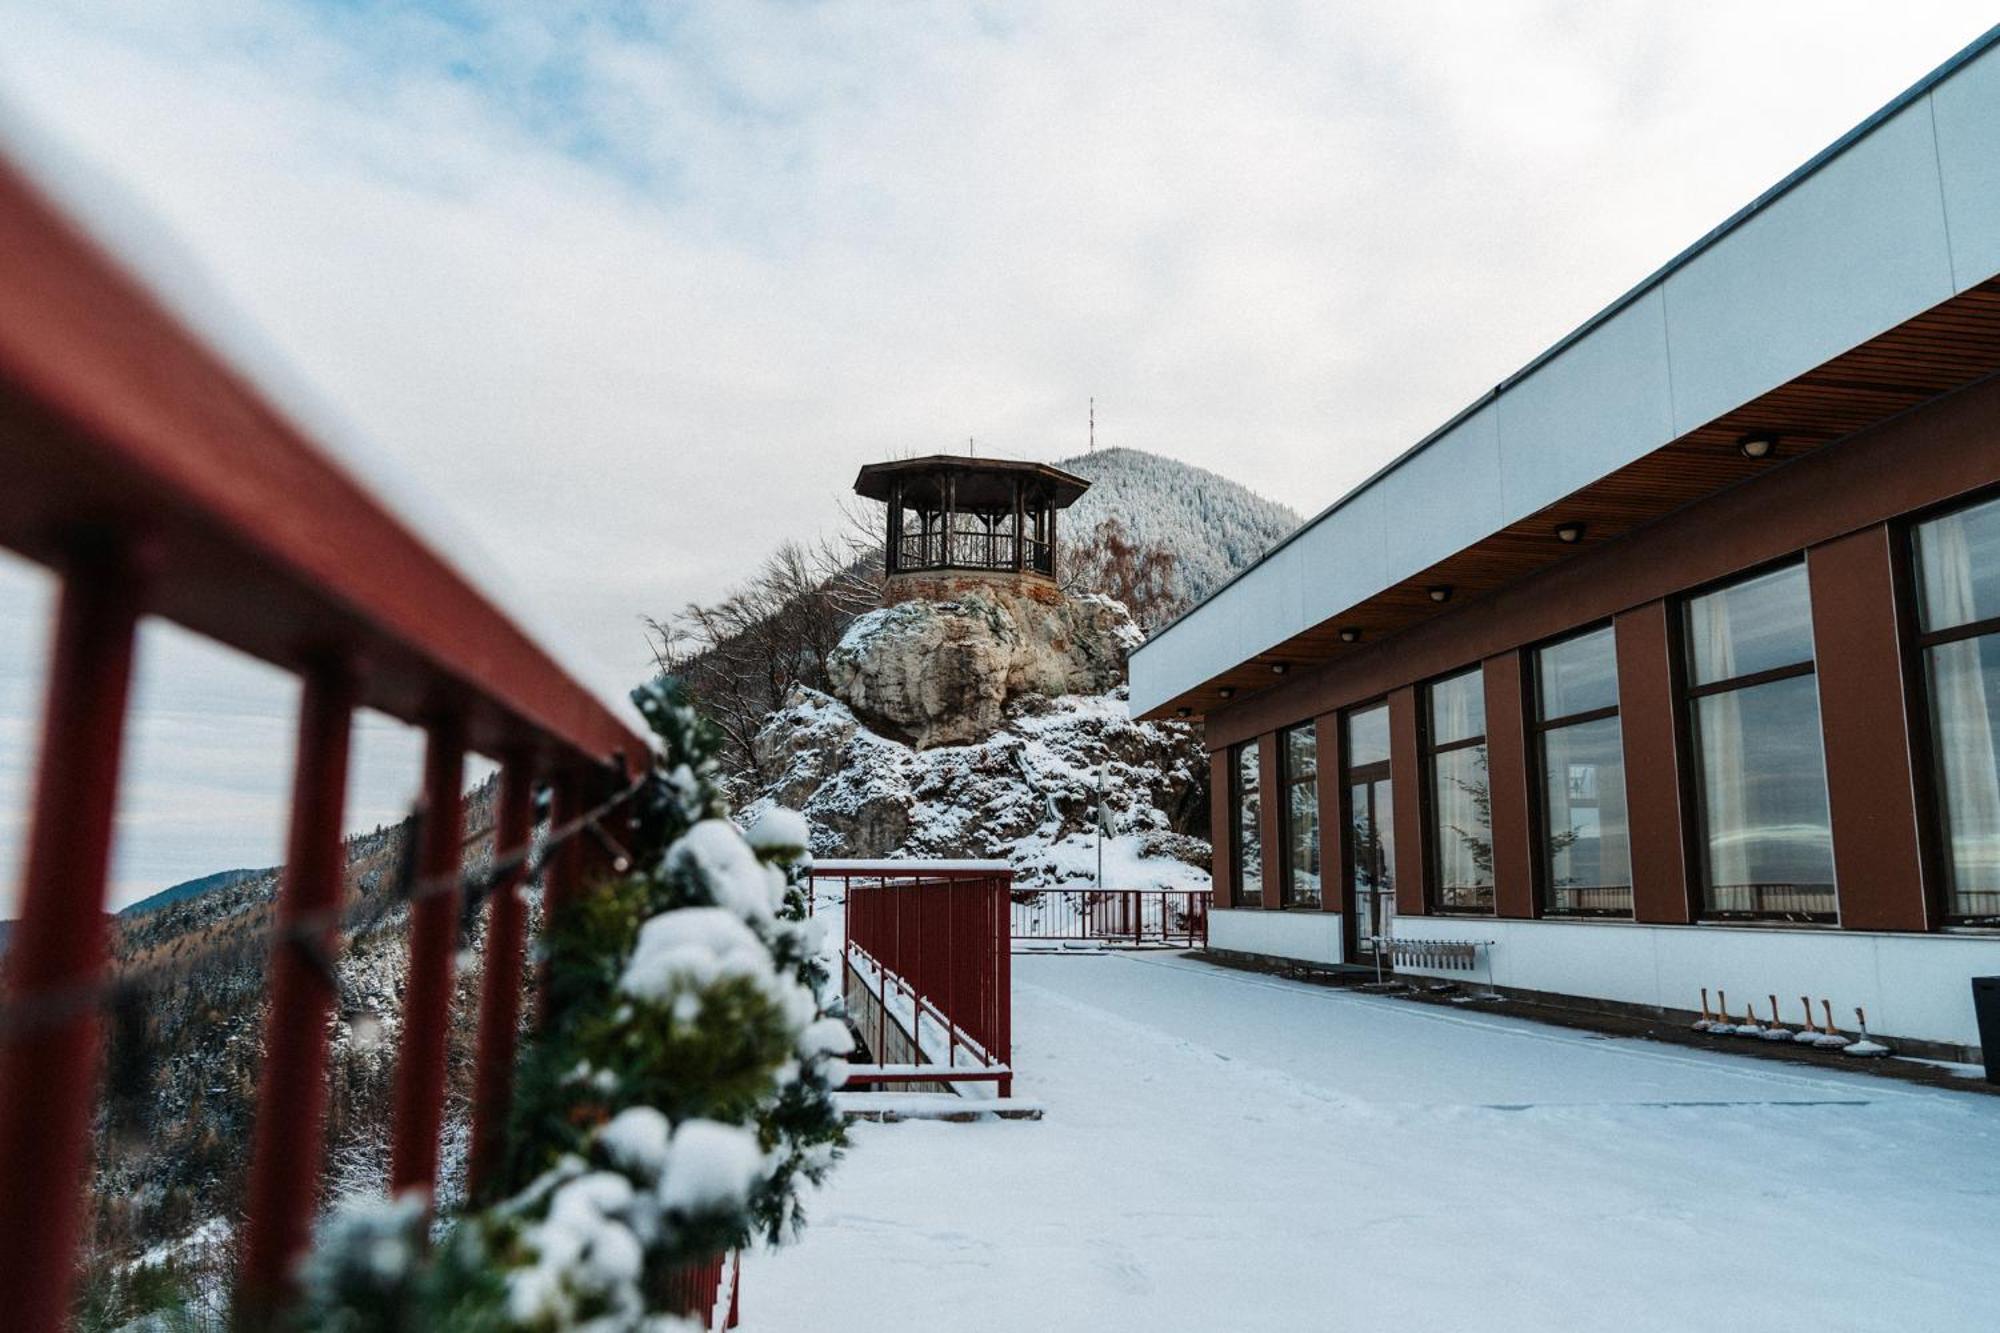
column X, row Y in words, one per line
column 943, row 672
column 1026, row 793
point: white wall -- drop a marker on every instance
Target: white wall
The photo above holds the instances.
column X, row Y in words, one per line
column 1311, row 937
column 1913, row 986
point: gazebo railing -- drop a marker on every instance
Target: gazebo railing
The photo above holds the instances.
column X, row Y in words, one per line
column 154, row 481
column 970, row 544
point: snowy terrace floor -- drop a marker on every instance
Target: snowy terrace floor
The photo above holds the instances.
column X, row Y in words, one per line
column 1231, row 1151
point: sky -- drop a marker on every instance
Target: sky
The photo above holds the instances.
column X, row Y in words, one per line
column 621, row 295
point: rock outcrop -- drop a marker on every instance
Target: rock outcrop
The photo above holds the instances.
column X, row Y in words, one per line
column 1027, row 793
column 933, row 673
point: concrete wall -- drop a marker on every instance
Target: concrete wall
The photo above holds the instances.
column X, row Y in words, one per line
column 1312, row 937
column 1913, row 986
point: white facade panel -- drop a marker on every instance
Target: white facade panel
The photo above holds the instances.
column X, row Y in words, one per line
column 1966, row 108
column 1604, row 401
column 1341, row 561
column 1310, row 937
column 1913, row 986
column 1444, row 498
column 1852, row 250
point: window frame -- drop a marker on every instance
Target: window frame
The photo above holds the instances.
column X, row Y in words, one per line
column 1236, row 753
column 1287, row 780
column 1935, row 837
column 1688, row 731
column 1428, row 749
column 1538, row 728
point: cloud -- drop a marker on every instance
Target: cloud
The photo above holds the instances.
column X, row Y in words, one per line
column 633, row 290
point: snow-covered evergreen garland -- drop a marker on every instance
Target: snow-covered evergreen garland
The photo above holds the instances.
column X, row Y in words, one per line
column 674, row 1106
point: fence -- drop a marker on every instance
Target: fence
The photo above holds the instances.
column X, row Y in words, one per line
column 153, row 480
column 928, row 944
column 1171, row 918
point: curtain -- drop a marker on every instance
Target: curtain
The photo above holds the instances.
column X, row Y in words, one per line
column 1724, row 763
column 1964, row 726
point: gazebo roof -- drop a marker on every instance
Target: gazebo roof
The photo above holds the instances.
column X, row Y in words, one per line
column 980, row 483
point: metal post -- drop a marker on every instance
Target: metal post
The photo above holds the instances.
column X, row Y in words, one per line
column 292, row 1089
column 1003, row 927
column 500, row 983
column 48, row 1057
column 418, row 1110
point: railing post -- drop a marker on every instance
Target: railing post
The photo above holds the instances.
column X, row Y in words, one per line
column 559, row 878
column 500, row 993
column 1003, row 927
column 420, row 1066
column 292, row 1089
column 48, row 1056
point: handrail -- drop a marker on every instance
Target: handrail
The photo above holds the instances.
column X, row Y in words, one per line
column 155, row 480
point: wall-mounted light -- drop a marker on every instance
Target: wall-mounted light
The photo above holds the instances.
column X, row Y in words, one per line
column 1227, row 691
column 1350, row 635
column 1280, row 668
column 1758, row 445
column 1569, row 533
column 1184, row 712
column 1438, row 592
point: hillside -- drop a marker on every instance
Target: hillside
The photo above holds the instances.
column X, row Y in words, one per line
column 1214, row 526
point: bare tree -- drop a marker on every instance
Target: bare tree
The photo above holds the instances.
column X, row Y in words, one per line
column 1142, row 575
column 742, row 655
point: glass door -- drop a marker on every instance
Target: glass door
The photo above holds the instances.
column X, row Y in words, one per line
column 1371, row 843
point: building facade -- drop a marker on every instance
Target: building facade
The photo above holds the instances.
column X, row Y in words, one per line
column 1674, row 661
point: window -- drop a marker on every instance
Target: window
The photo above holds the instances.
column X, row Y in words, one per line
column 1766, row 842
column 1247, row 874
column 1958, row 585
column 1461, row 806
column 1586, row 861
column 1298, row 756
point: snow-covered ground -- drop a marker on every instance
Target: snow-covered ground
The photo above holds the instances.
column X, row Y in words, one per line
column 1230, row 1151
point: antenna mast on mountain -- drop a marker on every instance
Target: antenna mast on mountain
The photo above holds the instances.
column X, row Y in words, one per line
column 1093, row 423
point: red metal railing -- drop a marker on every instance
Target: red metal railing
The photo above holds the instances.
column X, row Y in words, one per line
column 155, row 481
column 929, row 943
column 1172, row 918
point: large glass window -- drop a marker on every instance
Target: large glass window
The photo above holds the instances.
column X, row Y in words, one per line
column 1958, row 581
column 1247, row 873
column 1767, row 841
column 1371, row 822
column 1298, row 756
column 1461, row 814
column 1586, row 859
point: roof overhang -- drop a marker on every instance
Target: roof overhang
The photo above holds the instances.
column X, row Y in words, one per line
column 977, row 483
column 1859, row 287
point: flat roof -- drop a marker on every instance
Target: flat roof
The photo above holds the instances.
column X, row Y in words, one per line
column 1897, row 216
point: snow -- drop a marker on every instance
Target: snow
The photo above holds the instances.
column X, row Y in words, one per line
column 901, row 867
column 711, row 1166
column 780, row 830
column 715, row 852
column 636, row 1140
column 1225, row 1150
column 689, row 949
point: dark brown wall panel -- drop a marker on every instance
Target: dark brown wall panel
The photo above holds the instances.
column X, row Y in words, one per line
column 1332, row 816
column 1406, row 785
column 1653, row 786
column 1221, row 821
column 1865, row 719
column 1507, row 773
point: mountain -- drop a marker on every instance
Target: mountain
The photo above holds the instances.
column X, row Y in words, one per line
column 1214, row 526
column 186, row 889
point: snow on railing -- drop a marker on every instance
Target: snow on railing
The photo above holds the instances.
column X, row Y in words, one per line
column 150, row 476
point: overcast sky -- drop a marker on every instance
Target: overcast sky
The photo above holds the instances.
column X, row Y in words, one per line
column 629, row 291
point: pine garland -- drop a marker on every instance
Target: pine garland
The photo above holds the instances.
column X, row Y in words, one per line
column 674, row 1107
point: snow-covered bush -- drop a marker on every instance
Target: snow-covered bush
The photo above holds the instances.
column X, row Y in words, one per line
column 673, row 1106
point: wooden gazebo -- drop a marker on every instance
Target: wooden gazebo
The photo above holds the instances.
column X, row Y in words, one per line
column 950, row 514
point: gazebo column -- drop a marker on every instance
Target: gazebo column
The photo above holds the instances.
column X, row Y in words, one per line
column 1020, row 516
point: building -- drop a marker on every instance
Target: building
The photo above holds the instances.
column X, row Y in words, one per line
column 956, row 523
column 1674, row 661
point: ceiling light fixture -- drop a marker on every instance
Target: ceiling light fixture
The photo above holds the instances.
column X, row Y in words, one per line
column 1280, row 668
column 1438, row 592
column 1759, row 445
column 1227, row 691
column 1184, row 712
column 1350, row 635
column 1569, row 533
